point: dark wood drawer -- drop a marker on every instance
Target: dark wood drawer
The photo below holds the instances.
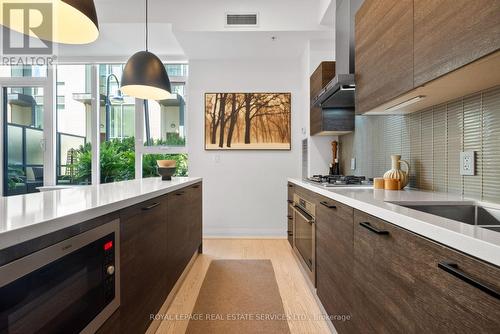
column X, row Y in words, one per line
column 333, row 208
column 447, row 301
column 405, row 282
column 143, row 207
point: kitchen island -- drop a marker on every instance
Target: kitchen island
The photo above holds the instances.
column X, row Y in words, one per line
column 25, row 217
column 111, row 255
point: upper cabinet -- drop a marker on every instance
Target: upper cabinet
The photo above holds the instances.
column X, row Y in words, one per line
column 450, row 34
column 413, row 54
column 384, row 51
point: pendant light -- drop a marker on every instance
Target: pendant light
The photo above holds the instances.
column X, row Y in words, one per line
column 144, row 75
column 73, row 21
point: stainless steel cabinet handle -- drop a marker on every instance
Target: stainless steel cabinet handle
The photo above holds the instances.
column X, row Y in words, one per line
column 150, row 206
column 368, row 226
column 452, row 268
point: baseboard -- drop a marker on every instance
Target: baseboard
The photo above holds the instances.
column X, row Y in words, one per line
column 218, row 232
column 249, row 237
column 153, row 327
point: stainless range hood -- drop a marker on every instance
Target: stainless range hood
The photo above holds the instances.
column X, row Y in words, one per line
column 339, row 93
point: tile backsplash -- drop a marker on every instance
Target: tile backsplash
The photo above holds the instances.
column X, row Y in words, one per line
column 431, row 141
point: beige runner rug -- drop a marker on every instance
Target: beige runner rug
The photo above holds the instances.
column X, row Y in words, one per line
column 239, row 296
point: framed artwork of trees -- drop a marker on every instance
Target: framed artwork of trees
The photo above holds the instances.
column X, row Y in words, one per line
column 247, row 121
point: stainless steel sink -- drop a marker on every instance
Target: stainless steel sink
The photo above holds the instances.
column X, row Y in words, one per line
column 465, row 213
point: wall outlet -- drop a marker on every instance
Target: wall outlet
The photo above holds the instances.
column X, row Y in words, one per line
column 468, row 163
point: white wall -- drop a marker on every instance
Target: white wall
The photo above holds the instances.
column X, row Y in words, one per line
column 320, row 155
column 244, row 191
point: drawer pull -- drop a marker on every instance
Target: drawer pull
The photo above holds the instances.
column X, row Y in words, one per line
column 289, row 201
column 452, row 268
column 180, row 193
column 290, row 186
column 196, row 186
column 290, row 217
column 150, row 206
column 329, row 206
column 368, row 226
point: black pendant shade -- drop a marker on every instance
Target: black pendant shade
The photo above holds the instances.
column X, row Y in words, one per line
column 73, row 22
column 145, row 77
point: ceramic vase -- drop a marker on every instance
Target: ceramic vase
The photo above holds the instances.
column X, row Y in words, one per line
column 397, row 173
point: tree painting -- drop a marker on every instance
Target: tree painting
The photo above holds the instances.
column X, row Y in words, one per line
column 247, row 121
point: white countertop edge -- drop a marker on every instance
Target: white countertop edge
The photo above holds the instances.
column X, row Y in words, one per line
column 467, row 244
column 29, row 232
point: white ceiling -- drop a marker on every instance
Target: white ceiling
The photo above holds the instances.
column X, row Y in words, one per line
column 194, row 29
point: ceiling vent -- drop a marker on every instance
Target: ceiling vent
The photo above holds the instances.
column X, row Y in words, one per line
column 242, row 19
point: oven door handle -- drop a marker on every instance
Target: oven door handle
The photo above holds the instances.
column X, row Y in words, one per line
column 307, row 217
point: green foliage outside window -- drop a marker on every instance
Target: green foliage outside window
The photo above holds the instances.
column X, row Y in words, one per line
column 117, row 162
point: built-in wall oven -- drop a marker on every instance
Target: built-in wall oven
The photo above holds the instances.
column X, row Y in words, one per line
column 70, row 287
column 304, row 234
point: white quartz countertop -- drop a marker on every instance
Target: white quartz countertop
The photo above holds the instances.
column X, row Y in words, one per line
column 473, row 240
column 25, row 217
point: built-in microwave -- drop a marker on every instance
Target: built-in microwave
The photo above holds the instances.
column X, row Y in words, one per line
column 70, row 287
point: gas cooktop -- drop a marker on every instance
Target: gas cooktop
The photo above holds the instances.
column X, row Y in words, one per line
column 340, row 180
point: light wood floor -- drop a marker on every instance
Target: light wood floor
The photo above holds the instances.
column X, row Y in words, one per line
column 297, row 297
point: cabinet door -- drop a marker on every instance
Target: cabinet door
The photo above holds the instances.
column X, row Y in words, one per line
column 194, row 213
column 446, row 302
column 384, row 51
column 177, row 235
column 453, row 33
column 143, row 259
column 334, row 262
column 383, row 276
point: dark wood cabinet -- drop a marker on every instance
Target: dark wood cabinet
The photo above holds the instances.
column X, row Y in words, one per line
column 143, row 260
column 446, row 303
column 157, row 240
column 384, row 51
column 403, row 46
column 184, row 229
column 391, row 280
column 195, row 213
column 323, row 74
column 450, row 34
column 402, row 284
column 383, row 276
column 319, row 120
column 335, row 261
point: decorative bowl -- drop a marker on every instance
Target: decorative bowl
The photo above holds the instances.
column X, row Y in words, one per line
column 166, row 163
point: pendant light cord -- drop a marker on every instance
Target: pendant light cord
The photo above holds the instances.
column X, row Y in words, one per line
column 147, row 25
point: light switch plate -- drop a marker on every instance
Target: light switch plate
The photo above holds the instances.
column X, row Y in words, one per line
column 468, row 163
column 353, row 163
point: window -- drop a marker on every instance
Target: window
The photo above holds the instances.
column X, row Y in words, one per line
column 117, row 115
column 25, row 108
column 73, row 139
column 177, row 70
column 23, row 71
column 165, row 120
column 23, row 153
